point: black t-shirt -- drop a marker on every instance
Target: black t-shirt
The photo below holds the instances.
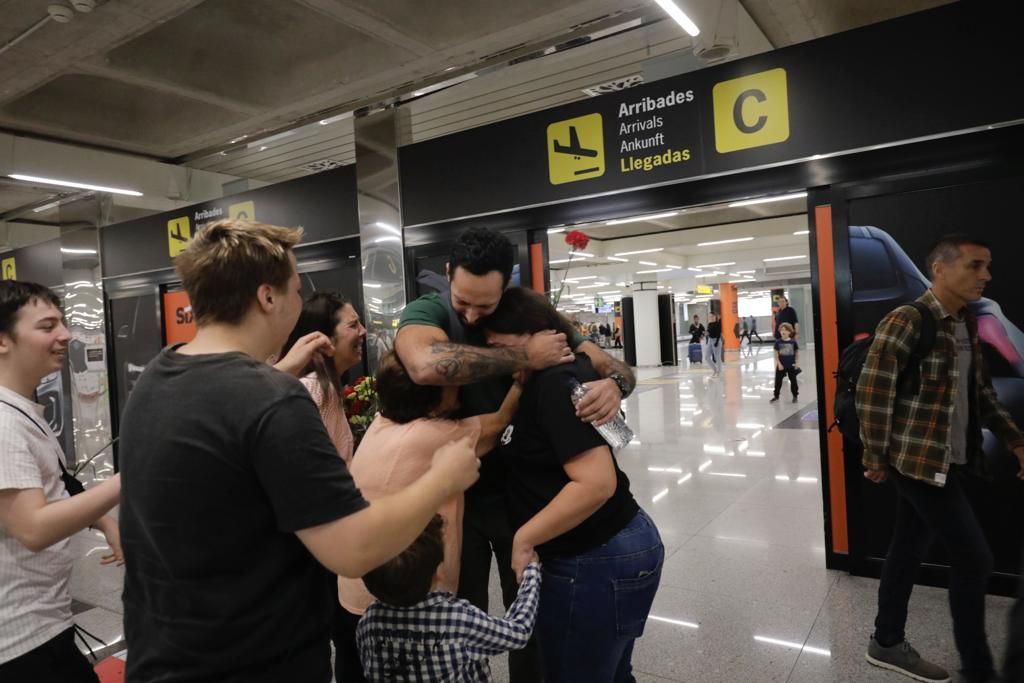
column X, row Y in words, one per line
column 545, row 434
column 223, row 459
column 696, row 332
column 786, row 315
column 715, row 330
column 787, row 349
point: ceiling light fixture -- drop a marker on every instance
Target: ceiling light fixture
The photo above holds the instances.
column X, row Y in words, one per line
column 581, row 277
column 642, row 251
column 766, row 200
column 802, row 232
column 695, row 270
column 656, row 270
column 733, row 241
column 717, row 265
column 616, row 258
column 746, row 272
column 784, row 258
column 673, row 267
column 581, row 254
column 71, row 183
column 679, row 16
column 77, row 251
column 637, row 219
column 610, row 291
column 647, row 263
column 553, row 231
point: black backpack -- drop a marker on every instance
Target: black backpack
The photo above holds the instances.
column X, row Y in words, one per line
column 851, row 362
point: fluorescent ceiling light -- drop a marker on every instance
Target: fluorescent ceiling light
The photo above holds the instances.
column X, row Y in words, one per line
column 637, row 219
column 77, row 251
column 679, row 16
column 647, row 263
column 71, row 183
column 695, row 270
column 733, row 241
column 598, row 284
column 704, row 275
column 749, row 279
column 334, row 119
column 620, row 284
column 659, row 496
column 642, row 251
column 610, row 291
column 784, row 258
column 802, row 232
column 47, row 207
column 726, row 474
column 717, row 265
column 745, row 272
column 616, row 258
column 765, row 200
column 581, row 278
column 684, row 479
column 581, row 254
column 373, row 285
column 655, row 270
column 673, row 267
column 552, row 231
column 736, row 274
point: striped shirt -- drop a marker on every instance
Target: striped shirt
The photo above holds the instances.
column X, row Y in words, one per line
column 912, row 433
column 35, row 603
column 443, row 639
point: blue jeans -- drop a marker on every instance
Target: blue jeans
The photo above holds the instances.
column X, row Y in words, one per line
column 593, row 606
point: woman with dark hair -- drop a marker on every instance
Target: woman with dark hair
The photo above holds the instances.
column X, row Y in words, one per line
column 601, row 554
column 415, row 420
column 333, row 315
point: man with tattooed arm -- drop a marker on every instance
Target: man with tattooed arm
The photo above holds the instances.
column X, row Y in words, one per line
column 439, row 342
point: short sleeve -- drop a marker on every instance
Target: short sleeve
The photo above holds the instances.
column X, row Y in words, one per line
column 568, row 435
column 19, row 468
column 426, row 310
column 299, row 468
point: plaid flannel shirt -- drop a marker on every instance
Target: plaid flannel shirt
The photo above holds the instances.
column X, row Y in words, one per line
column 911, row 433
column 442, row 638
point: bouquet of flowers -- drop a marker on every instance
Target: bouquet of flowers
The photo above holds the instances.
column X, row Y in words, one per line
column 577, row 241
column 360, row 401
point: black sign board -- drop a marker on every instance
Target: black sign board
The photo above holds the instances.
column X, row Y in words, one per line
column 949, row 69
column 324, row 205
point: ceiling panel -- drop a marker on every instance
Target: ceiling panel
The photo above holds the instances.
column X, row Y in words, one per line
column 106, row 110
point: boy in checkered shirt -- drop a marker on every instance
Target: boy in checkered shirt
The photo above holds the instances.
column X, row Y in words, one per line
column 412, row 634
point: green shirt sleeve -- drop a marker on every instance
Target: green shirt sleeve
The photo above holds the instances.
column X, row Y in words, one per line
column 426, row 310
column 576, row 339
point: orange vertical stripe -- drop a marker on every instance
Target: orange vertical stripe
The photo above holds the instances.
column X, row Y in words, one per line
column 730, row 314
column 830, row 362
column 537, row 267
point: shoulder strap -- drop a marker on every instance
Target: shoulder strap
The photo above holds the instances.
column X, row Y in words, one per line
column 926, row 333
column 27, row 416
column 74, row 487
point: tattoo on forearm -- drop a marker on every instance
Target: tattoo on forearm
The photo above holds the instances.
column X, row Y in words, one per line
column 620, row 367
column 463, row 364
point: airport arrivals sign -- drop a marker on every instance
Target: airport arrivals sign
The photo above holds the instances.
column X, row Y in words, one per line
column 834, row 95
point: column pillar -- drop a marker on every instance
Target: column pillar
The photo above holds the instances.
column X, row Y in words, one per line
column 645, row 324
column 730, row 315
column 380, row 229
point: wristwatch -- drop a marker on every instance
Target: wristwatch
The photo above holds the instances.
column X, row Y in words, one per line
column 621, row 383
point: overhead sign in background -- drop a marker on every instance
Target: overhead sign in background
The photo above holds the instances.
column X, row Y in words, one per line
column 882, row 84
column 179, row 322
column 324, row 205
column 9, row 268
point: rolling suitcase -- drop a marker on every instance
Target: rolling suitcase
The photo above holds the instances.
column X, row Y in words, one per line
column 695, row 354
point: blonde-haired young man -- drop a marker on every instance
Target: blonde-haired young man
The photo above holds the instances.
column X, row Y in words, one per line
column 234, row 495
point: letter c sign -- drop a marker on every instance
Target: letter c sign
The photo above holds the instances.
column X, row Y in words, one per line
column 751, row 111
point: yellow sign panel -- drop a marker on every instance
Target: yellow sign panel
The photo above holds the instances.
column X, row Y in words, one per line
column 752, row 111
column 704, row 289
column 179, row 234
column 245, row 211
column 576, row 149
column 9, row 271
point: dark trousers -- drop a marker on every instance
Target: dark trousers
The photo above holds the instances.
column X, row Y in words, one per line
column 56, row 661
column 486, row 531
column 923, row 512
column 1014, row 670
column 348, row 668
column 788, row 372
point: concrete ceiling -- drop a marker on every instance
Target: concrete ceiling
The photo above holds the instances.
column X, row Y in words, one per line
column 238, row 88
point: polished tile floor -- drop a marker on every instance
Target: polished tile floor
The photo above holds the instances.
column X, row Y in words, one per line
column 733, row 483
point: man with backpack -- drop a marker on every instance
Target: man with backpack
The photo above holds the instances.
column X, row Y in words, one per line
column 920, row 412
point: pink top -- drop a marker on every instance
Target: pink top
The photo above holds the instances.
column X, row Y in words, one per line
column 332, row 412
column 392, row 456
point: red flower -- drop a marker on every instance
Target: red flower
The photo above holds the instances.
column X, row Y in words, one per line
column 349, row 391
column 577, row 239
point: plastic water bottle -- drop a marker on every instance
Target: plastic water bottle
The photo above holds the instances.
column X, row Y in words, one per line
column 617, row 433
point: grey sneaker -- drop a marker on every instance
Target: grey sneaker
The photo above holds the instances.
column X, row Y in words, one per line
column 905, row 659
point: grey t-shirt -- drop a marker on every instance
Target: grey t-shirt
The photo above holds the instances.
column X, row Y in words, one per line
column 961, row 408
